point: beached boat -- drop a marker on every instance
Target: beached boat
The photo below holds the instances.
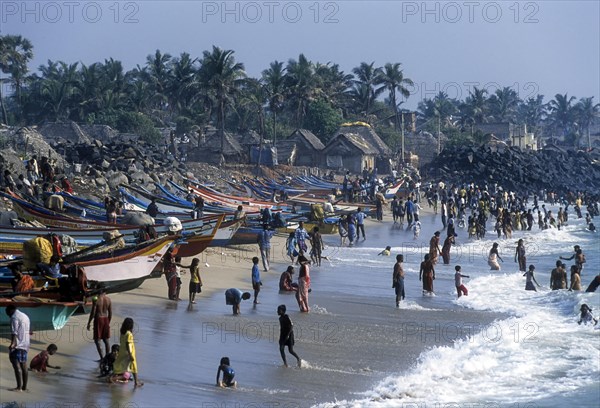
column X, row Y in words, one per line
column 12, row 238
column 44, row 314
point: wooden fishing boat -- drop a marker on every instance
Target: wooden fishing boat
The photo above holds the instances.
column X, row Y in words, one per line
column 44, row 314
column 12, row 238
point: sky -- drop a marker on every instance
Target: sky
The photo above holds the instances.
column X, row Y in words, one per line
column 534, row 47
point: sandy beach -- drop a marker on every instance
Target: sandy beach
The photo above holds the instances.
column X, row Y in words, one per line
column 347, row 343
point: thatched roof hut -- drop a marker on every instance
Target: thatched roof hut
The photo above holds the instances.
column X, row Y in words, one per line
column 209, row 149
column 349, row 151
column 308, row 148
column 367, row 132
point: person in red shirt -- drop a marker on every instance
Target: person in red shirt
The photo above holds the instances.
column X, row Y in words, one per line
column 40, row 362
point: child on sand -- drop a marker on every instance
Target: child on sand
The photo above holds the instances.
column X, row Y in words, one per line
column 228, row 374
column 40, row 362
column 108, row 361
column 125, row 366
column 195, row 280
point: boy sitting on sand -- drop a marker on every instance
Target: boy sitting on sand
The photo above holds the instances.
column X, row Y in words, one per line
column 107, row 362
column 40, row 362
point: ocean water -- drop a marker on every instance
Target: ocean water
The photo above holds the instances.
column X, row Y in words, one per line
column 538, row 356
column 358, row 350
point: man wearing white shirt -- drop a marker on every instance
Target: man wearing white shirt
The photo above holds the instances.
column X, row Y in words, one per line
column 19, row 345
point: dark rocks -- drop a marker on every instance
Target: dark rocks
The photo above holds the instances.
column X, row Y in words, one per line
column 519, row 170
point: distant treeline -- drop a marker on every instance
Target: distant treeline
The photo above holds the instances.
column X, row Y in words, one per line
column 188, row 92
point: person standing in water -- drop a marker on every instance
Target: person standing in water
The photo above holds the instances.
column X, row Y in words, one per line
column 398, row 279
column 531, row 279
column 520, row 256
column 493, row 258
column 286, row 335
column 460, row 288
column 427, row 275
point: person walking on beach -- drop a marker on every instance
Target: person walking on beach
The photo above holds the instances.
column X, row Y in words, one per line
column 264, row 245
column 558, row 277
column 460, row 288
column 398, row 280
column 316, row 242
column 125, row 365
column 530, row 279
column 493, row 258
column 233, row 298
column 520, row 256
column 256, row 283
column 434, row 247
column 286, row 335
column 290, row 245
column 101, row 314
column 427, row 275
column 178, row 280
column 360, row 223
column 303, row 284
column 301, row 236
column 195, row 279
column 19, row 345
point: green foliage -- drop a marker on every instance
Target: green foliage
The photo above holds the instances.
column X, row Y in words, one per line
column 139, row 124
column 128, row 122
column 183, row 125
column 456, row 138
column 322, row 119
column 391, row 137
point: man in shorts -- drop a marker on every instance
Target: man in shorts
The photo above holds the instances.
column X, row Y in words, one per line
column 101, row 314
column 19, row 345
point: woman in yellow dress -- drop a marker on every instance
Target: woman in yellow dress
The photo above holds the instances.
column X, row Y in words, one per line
column 125, row 365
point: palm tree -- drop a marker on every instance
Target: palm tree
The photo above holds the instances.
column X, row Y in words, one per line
column 562, row 113
column 222, row 76
column 532, row 112
column 158, row 73
column 392, row 78
column 59, row 90
column 334, row 84
column 302, row 85
column 476, row 105
column 586, row 112
column 254, row 98
column 15, row 53
column 503, row 104
column 365, row 85
column 184, row 86
column 273, row 79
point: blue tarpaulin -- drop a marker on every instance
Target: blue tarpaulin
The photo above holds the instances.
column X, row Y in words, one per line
column 268, row 156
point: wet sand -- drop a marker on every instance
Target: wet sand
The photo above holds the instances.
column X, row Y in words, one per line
column 348, row 343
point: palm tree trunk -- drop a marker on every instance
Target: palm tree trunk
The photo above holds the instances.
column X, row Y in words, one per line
column 4, row 114
column 274, row 128
column 222, row 126
column 589, row 138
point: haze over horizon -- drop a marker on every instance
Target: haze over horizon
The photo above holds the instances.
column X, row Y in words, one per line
column 534, row 47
